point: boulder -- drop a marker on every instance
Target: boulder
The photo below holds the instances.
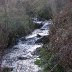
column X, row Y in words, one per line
column 39, row 35
column 44, row 39
column 7, row 69
column 22, row 58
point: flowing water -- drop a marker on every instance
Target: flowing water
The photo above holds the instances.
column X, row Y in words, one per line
column 21, row 57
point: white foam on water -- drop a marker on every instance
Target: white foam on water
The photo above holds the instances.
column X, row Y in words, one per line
column 26, row 66
column 37, row 22
column 10, row 62
column 25, row 50
column 40, row 32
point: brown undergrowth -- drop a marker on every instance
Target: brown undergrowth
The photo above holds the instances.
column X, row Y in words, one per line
column 61, row 37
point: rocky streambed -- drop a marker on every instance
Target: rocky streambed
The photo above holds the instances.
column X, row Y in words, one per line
column 21, row 57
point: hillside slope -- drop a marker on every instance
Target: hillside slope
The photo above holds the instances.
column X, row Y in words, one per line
column 61, row 37
column 56, row 56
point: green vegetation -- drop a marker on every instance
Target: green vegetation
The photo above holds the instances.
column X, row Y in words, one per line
column 45, row 13
column 38, row 62
column 49, row 61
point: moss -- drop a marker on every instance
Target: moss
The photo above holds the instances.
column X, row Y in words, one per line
column 38, row 62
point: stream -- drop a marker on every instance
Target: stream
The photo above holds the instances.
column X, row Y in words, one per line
column 21, row 57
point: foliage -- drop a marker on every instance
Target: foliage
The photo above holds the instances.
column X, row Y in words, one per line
column 48, row 61
column 45, row 13
column 38, row 62
column 14, row 22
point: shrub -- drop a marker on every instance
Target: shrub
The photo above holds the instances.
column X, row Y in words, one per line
column 49, row 61
column 45, row 13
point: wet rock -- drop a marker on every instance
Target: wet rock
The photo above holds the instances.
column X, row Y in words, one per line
column 39, row 40
column 38, row 35
column 15, row 48
column 39, row 71
column 23, row 39
column 42, row 29
column 36, row 52
column 22, row 58
column 16, row 41
column 38, row 24
column 44, row 39
column 6, row 69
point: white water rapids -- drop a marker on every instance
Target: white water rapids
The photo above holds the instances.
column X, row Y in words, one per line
column 20, row 57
